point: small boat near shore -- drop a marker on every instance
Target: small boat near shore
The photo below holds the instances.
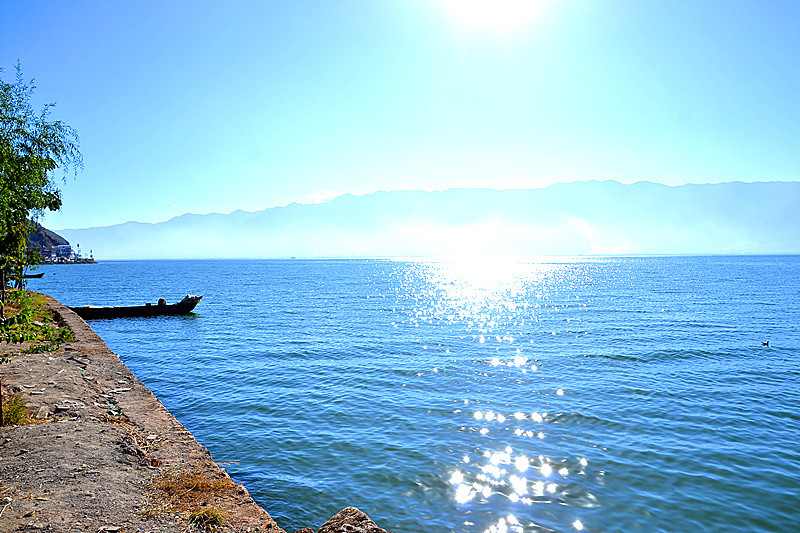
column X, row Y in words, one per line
column 184, row 307
column 33, row 276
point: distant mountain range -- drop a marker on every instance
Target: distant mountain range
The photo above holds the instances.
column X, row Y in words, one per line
column 581, row 218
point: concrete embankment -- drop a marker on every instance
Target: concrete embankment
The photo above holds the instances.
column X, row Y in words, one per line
column 106, row 455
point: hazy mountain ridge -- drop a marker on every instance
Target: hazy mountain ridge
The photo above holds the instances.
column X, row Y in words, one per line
column 578, row 218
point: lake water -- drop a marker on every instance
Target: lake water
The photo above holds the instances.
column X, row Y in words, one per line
column 601, row 394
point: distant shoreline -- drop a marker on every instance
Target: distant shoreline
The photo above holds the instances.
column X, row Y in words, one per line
column 81, row 261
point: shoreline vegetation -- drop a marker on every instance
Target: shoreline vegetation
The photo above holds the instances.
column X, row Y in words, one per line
column 95, row 450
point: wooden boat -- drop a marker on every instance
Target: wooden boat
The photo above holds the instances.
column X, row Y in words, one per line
column 184, row 307
column 31, row 276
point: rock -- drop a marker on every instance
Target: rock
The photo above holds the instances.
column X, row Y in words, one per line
column 350, row 520
column 305, row 530
column 43, row 412
column 76, row 403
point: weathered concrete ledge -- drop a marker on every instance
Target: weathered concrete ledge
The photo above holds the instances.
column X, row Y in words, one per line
column 103, row 441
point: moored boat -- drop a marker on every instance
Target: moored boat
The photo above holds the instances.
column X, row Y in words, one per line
column 184, row 307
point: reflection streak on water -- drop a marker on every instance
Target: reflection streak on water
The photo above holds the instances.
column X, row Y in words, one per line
column 499, row 302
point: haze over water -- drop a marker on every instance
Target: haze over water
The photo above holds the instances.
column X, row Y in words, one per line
column 601, row 394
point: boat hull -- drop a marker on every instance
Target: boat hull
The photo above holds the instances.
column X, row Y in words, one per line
column 184, row 307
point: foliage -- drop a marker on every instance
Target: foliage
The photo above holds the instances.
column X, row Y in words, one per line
column 14, row 411
column 15, row 328
column 43, row 347
column 32, row 147
column 32, row 322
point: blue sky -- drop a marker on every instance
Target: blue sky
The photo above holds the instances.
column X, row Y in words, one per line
column 215, row 106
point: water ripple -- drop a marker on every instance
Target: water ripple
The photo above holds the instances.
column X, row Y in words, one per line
column 554, row 395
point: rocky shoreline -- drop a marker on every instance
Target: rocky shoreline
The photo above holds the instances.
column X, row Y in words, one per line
column 106, row 455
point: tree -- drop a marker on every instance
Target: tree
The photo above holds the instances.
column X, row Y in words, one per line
column 32, row 148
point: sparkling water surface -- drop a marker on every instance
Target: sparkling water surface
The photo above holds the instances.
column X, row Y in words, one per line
column 593, row 394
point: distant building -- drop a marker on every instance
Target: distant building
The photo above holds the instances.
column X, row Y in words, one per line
column 54, row 248
column 58, row 254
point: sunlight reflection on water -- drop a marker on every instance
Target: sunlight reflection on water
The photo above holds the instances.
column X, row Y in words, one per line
column 492, row 300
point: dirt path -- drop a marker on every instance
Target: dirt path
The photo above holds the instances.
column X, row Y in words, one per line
column 107, row 456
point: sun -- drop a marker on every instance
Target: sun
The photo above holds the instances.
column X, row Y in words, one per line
column 502, row 16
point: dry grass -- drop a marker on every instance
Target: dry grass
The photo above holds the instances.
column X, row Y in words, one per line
column 197, row 483
column 193, row 495
column 208, row 519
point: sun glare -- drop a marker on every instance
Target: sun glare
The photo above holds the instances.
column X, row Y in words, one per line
column 502, row 16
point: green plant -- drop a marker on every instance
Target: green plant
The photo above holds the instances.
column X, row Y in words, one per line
column 32, row 147
column 32, row 322
column 46, row 347
column 18, row 298
column 49, row 338
column 14, row 412
column 14, row 329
